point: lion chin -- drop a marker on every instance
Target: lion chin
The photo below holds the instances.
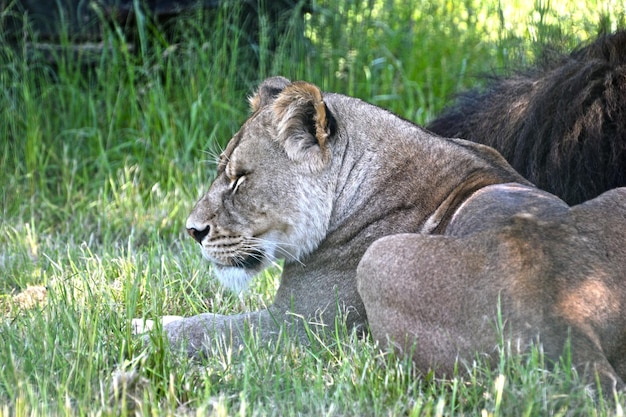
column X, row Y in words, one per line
column 234, row 278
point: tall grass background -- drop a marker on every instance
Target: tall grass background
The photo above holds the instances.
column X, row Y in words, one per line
column 100, row 164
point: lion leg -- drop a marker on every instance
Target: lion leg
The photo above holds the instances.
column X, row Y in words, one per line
column 601, row 224
column 141, row 326
column 443, row 298
column 198, row 335
column 421, row 295
column 591, row 362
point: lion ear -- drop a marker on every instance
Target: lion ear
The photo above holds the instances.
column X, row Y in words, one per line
column 303, row 124
column 267, row 92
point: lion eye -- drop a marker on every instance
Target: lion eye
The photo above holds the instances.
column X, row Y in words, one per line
column 235, row 183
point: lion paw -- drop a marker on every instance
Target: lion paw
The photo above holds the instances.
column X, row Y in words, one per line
column 141, row 326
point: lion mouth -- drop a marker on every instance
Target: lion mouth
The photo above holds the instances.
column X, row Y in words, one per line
column 251, row 260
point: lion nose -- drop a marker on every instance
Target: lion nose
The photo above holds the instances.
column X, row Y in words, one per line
column 198, row 234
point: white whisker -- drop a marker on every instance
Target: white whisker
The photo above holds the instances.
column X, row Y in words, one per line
column 281, row 246
column 214, row 155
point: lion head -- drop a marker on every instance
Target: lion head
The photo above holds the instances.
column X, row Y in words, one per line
column 269, row 200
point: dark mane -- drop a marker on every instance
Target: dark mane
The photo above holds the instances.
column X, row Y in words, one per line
column 561, row 124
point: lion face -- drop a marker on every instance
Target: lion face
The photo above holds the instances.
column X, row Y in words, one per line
column 270, row 200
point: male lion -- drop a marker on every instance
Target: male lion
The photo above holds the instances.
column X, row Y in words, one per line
column 561, row 124
column 315, row 178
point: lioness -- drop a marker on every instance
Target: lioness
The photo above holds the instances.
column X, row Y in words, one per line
column 315, row 178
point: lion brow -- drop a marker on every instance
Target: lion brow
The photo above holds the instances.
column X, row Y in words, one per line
column 224, row 158
column 222, row 162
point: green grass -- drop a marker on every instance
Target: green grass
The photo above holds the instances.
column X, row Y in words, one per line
column 99, row 169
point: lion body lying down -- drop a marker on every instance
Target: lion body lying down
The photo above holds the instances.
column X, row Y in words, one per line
column 316, row 178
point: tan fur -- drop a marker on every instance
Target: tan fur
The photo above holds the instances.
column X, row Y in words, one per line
column 315, row 178
column 297, row 102
column 553, row 274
